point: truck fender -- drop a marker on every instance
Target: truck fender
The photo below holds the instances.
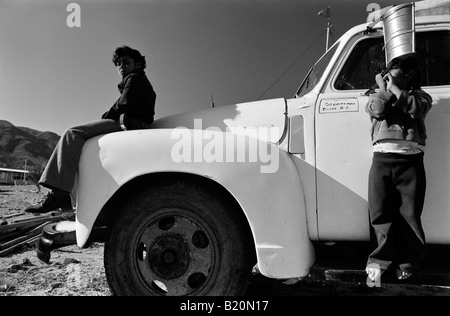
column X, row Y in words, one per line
column 268, row 191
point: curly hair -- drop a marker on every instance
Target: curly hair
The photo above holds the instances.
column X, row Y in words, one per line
column 130, row 52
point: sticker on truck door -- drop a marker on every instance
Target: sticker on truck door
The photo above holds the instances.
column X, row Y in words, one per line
column 338, row 105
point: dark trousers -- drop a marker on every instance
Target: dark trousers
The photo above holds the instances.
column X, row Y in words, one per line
column 397, row 186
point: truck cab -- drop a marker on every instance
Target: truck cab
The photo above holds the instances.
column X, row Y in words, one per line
column 340, row 150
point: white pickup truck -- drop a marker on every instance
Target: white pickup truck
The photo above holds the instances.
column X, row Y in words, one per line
column 189, row 206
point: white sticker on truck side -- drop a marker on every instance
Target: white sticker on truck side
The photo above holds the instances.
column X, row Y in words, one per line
column 338, row 105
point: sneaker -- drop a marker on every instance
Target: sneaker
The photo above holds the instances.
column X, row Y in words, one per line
column 50, row 203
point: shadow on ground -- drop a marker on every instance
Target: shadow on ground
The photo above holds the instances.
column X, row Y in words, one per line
column 339, row 271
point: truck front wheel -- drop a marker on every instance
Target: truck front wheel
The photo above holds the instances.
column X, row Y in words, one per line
column 179, row 239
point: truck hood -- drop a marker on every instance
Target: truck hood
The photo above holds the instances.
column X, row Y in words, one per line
column 262, row 119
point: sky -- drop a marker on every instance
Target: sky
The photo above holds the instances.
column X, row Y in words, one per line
column 55, row 59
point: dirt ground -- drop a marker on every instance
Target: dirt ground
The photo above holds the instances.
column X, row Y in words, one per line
column 70, row 272
column 80, row 272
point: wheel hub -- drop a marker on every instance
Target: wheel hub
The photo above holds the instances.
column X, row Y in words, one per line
column 169, row 256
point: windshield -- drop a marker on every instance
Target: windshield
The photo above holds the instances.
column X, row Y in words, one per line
column 316, row 72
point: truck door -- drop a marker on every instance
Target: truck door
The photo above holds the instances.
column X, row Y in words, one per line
column 343, row 145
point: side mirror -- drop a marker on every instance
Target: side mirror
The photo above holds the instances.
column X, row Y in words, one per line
column 296, row 144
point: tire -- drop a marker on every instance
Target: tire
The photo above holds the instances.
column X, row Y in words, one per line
column 179, row 239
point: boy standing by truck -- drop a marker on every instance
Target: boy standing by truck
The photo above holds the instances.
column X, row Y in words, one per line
column 397, row 179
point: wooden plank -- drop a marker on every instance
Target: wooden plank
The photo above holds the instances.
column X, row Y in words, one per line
column 26, row 223
column 35, row 231
column 12, row 235
column 29, row 242
column 13, row 215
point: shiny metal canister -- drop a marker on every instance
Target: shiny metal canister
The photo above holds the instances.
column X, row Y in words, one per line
column 399, row 32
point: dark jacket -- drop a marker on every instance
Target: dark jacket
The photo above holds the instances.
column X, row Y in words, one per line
column 402, row 118
column 137, row 99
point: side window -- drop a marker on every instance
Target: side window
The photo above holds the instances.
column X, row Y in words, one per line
column 365, row 61
column 433, row 52
column 316, row 72
column 368, row 58
column 17, row 176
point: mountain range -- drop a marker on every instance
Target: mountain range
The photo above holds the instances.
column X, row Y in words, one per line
column 23, row 147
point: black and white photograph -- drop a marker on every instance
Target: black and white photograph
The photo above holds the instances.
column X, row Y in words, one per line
column 248, row 151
